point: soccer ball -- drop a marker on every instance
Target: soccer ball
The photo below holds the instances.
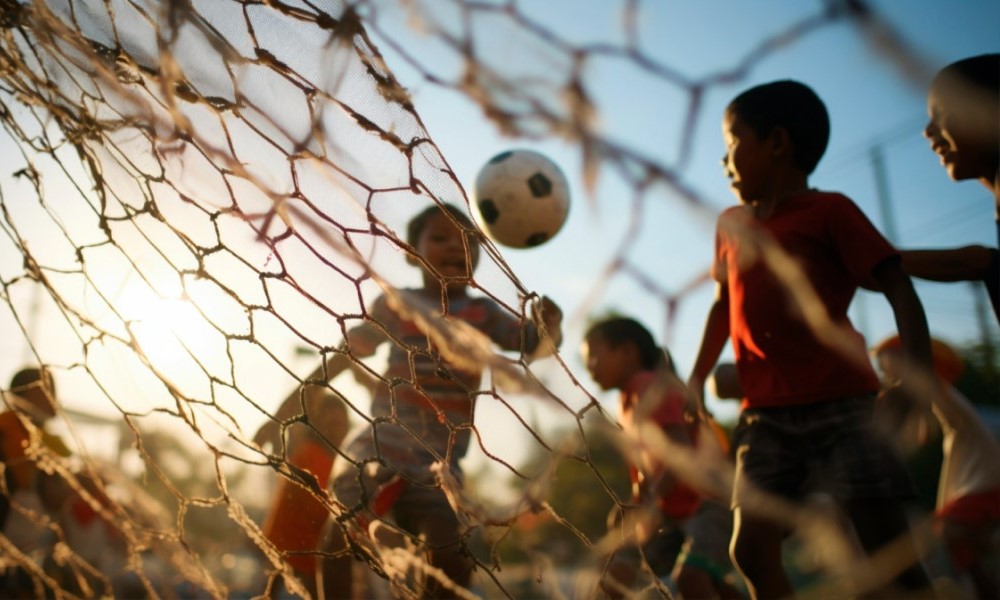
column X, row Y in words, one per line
column 522, row 197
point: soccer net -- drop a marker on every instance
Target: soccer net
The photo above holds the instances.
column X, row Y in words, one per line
column 200, row 198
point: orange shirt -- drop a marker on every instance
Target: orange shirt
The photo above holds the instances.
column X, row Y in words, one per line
column 295, row 522
column 13, row 441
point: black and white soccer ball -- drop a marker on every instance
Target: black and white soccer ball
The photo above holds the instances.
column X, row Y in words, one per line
column 522, row 197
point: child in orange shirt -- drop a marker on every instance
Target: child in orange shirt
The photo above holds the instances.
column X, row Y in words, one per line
column 968, row 499
column 788, row 261
column 295, row 521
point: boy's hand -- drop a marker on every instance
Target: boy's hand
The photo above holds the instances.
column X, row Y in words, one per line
column 694, row 401
column 550, row 315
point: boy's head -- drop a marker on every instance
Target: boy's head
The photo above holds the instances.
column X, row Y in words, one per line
column 440, row 236
column 37, row 390
column 964, row 126
column 948, row 364
column 781, row 119
column 615, row 349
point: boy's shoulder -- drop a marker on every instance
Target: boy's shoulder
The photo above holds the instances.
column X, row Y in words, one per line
column 818, row 196
column 811, row 199
column 820, row 204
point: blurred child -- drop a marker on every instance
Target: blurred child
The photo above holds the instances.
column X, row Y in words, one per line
column 31, row 402
column 85, row 514
column 423, row 408
column 296, row 518
column 30, row 405
column 788, row 261
column 964, row 131
column 968, row 499
column 621, row 355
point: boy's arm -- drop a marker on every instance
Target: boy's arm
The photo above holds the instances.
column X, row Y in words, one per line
column 536, row 338
column 360, row 346
column 548, row 319
column 968, row 263
column 713, row 340
column 910, row 321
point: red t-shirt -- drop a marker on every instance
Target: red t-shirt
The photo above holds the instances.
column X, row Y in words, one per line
column 779, row 359
column 680, row 501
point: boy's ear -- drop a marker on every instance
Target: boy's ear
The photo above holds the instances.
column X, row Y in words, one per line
column 412, row 260
column 631, row 351
column 781, row 142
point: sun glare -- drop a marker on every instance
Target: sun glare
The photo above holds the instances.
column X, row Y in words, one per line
column 168, row 328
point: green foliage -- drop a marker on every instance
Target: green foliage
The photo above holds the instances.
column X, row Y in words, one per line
column 585, row 485
column 980, row 381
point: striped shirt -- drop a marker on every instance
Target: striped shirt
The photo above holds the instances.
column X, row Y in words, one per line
column 428, row 402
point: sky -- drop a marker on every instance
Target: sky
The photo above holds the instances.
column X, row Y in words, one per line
column 870, row 103
column 873, row 109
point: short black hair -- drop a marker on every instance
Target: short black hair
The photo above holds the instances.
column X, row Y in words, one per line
column 417, row 224
column 30, row 376
column 623, row 330
column 980, row 72
column 794, row 107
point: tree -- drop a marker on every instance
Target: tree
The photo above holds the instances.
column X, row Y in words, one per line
column 980, row 381
column 585, row 485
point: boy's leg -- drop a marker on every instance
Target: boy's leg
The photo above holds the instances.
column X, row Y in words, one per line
column 333, row 573
column 985, row 576
column 425, row 511
column 694, row 583
column 631, row 564
column 865, row 471
column 446, row 553
column 881, row 521
column 770, row 458
column 974, row 550
column 969, row 528
column 704, row 564
column 619, row 574
column 756, row 552
column 359, row 489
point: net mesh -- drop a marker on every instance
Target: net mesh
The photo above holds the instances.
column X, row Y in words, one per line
column 201, row 198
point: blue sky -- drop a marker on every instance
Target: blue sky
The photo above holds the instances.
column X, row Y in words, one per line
column 868, row 99
column 870, row 103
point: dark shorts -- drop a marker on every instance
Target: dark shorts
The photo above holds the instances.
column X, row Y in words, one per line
column 660, row 551
column 707, row 548
column 826, row 447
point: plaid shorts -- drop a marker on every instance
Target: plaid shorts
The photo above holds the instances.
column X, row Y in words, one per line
column 826, row 447
column 660, row 551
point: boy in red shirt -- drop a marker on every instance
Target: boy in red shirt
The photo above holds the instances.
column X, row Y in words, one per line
column 787, row 264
